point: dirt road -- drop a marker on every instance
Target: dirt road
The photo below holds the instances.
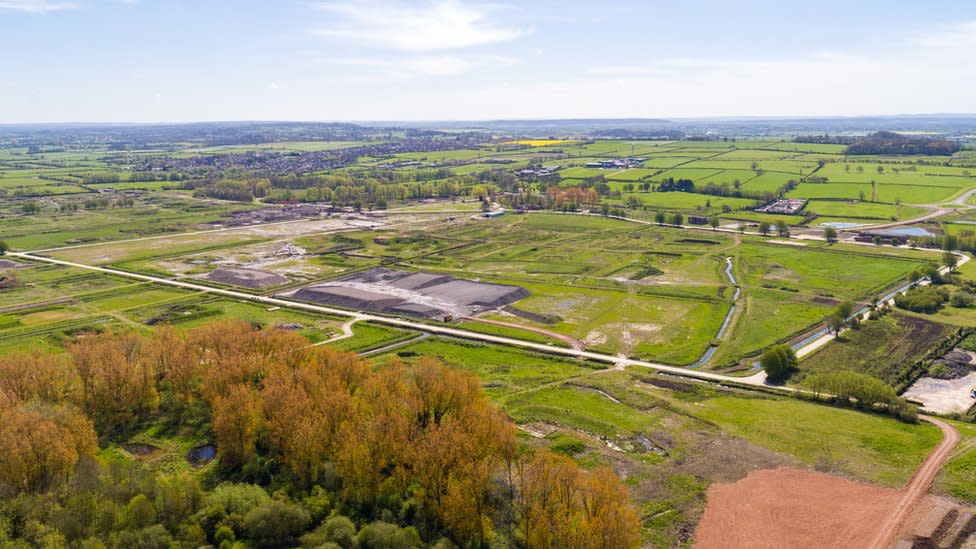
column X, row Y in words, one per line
column 786, row 507
column 574, row 343
column 918, row 486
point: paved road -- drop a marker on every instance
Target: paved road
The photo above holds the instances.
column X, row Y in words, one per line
column 758, row 379
column 936, row 211
column 918, row 486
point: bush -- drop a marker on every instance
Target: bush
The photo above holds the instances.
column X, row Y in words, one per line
column 276, row 524
column 153, row 537
column 340, row 530
column 963, row 299
column 566, row 445
column 237, row 498
column 778, row 362
column 383, row 535
column 923, row 299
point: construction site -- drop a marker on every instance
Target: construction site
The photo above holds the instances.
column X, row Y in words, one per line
column 417, row 294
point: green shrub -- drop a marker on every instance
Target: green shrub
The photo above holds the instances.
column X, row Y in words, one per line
column 237, row 498
column 383, row 535
column 340, row 530
column 276, row 524
column 566, row 445
column 778, row 362
column 963, row 299
column 923, row 299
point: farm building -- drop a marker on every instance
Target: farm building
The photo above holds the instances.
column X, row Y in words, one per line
column 784, row 206
column 884, row 238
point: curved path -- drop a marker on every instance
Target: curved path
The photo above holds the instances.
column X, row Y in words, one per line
column 574, row 343
column 919, row 485
column 936, row 211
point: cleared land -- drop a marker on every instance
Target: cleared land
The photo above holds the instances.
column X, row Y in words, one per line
column 793, row 508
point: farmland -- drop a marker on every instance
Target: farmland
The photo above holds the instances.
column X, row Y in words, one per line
column 583, row 248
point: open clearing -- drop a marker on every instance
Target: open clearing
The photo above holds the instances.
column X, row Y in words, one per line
column 793, row 508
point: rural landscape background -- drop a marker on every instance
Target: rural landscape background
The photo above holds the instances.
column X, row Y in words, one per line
column 445, row 274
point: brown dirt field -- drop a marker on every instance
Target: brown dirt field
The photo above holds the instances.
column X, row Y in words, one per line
column 721, row 458
column 787, row 507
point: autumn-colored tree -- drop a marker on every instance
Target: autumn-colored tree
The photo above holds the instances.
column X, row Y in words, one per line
column 117, row 385
column 562, row 506
column 312, row 405
column 237, row 419
column 457, row 441
column 41, row 444
column 175, row 363
column 608, row 519
column 234, row 352
column 33, row 376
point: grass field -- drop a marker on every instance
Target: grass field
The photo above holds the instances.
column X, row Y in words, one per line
column 884, row 348
column 838, row 272
column 956, row 477
column 854, row 443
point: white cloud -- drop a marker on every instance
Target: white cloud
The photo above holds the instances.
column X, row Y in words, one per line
column 622, row 70
column 957, row 35
column 416, row 67
column 273, row 86
column 437, row 25
column 443, row 65
column 34, row 6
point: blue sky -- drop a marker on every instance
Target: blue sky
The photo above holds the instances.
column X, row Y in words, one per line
column 162, row 61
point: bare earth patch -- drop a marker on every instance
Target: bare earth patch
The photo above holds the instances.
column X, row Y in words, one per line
column 943, row 396
column 787, row 507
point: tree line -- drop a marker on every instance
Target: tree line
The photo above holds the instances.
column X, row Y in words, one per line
column 395, row 455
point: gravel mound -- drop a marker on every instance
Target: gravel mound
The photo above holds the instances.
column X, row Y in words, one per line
column 248, row 278
column 424, row 295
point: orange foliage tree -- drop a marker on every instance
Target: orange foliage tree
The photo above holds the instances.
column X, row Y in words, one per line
column 117, row 384
column 562, row 506
column 41, row 444
column 422, row 433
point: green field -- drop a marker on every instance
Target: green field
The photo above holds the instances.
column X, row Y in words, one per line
column 883, row 348
column 617, row 287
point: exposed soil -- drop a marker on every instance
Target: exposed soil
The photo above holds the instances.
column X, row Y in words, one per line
column 247, row 278
column 788, row 507
column 140, row 449
column 721, row 458
column 8, row 281
column 425, row 295
column 943, row 396
column 549, row 333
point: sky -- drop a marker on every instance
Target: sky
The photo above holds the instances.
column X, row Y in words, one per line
column 371, row 60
